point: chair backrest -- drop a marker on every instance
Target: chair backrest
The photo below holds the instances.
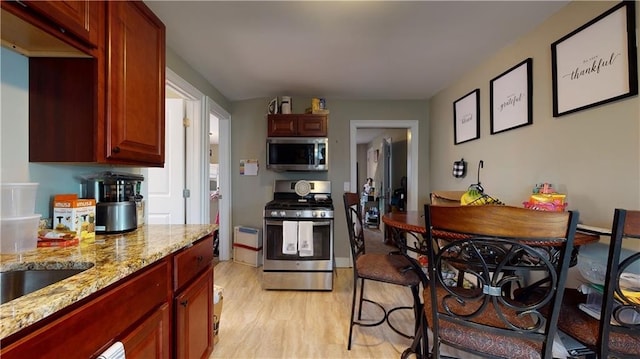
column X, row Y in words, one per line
column 497, row 247
column 622, row 281
column 354, row 223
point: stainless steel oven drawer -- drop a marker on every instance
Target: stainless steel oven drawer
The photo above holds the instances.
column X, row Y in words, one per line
column 297, row 280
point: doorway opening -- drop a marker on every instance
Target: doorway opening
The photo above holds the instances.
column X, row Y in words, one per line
column 412, row 155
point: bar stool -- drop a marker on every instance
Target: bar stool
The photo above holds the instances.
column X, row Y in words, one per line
column 390, row 268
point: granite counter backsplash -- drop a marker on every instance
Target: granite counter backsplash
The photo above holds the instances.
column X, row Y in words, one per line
column 109, row 259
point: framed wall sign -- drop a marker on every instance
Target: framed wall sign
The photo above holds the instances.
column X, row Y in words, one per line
column 466, row 117
column 510, row 98
column 596, row 63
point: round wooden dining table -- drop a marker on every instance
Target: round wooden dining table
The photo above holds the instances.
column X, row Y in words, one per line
column 413, row 221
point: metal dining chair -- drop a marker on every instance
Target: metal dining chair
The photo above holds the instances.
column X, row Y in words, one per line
column 500, row 247
column 390, row 268
column 620, row 297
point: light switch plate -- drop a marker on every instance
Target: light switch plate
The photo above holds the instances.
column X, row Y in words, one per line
column 347, row 186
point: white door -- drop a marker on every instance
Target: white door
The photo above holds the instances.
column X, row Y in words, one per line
column 166, row 185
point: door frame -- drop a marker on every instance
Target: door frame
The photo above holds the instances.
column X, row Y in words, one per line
column 197, row 206
column 412, row 154
column 224, row 175
column 194, row 108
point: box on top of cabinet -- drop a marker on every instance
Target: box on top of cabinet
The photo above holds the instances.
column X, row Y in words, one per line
column 74, row 214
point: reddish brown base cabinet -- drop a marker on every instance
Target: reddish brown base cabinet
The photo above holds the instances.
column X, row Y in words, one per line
column 150, row 340
column 162, row 311
column 91, row 327
column 194, row 321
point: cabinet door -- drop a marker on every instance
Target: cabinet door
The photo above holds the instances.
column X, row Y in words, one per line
column 150, row 340
column 77, row 17
column 282, row 125
column 135, row 84
column 194, row 318
column 312, row 125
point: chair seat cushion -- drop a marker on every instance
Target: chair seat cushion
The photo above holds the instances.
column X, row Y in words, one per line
column 583, row 327
column 481, row 340
column 389, row 268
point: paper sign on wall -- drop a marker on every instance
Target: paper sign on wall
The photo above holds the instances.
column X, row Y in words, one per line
column 248, row 167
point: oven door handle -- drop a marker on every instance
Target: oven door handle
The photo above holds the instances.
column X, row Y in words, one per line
column 315, row 223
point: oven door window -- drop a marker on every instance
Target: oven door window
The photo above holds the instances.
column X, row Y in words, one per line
column 321, row 242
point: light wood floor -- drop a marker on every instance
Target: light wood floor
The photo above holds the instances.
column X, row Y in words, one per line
column 257, row 323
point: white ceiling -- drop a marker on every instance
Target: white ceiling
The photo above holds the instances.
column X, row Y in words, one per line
column 342, row 49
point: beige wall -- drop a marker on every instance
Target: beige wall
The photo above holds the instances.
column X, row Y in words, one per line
column 592, row 155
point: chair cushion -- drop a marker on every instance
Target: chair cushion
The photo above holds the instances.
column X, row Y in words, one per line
column 390, row 268
column 583, row 327
column 478, row 340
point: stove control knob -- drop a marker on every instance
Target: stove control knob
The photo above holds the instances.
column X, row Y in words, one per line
column 274, row 213
column 323, row 214
column 314, row 214
column 298, row 214
column 283, row 213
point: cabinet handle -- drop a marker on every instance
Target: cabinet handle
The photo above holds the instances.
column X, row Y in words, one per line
column 184, row 303
column 199, row 259
column 116, row 149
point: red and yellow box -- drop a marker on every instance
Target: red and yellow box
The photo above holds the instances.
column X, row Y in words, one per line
column 75, row 215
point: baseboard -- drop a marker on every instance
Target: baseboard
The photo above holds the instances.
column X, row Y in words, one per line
column 343, row 262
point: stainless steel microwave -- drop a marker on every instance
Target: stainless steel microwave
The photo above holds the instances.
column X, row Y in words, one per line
column 297, row 153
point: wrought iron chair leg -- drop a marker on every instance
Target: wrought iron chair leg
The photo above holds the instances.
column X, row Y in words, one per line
column 361, row 298
column 353, row 310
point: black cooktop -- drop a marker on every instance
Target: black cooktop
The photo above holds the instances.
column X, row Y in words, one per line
column 300, row 203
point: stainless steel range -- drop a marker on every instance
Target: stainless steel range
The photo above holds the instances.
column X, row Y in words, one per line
column 298, row 236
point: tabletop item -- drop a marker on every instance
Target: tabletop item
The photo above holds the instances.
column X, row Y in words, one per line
column 116, row 195
column 18, row 199
column 272, row 109
column 18, row 222
column 285, row 105
column 545, row 198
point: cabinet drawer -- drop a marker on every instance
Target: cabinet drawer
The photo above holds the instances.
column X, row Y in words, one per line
column 90, row 328
column 191, row 261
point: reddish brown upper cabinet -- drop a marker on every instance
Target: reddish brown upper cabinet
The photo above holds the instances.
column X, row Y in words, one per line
column 53, row 28
column 301, row 125
column 135, row 84
column 80, row 18
column 104, row 103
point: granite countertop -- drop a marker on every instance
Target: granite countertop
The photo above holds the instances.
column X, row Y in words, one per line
column 109, row 259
